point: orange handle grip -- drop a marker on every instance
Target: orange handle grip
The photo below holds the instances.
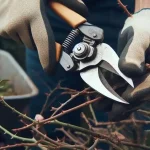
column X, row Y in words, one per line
column 71, row 17
column 58, row 51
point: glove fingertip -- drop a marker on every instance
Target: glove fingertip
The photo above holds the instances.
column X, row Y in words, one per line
column 132, row 53
column 118, row 112
column 131, row 69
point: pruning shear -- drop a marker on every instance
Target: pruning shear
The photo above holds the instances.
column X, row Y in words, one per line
column 90, row 55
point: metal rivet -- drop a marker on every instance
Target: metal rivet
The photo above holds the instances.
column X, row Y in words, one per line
column 94, row 35
column 68, row 66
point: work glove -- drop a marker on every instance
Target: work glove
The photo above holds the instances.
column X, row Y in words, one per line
column 133, row 50
column 26, row 21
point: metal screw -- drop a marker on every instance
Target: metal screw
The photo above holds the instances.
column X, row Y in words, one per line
column 68, row 66
column 79, row 48
column 94, row 35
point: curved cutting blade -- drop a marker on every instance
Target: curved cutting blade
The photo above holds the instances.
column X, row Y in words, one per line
column 91, row 77
column 112, row 59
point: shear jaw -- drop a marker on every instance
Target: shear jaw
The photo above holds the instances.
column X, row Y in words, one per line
column 94, row 77
column 110, row 61
column 91, row 77
column 89, row 56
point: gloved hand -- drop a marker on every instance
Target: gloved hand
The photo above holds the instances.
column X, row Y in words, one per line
column 133, row 49
column 26, row 21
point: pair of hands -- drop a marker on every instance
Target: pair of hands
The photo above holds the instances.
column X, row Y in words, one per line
column 26, row 21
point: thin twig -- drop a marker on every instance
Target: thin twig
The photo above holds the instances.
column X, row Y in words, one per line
column 75, row 137
column 46, row 121
column 86, row 120
column 46, row 102
column 69, row 100
column 136, row 145
column 99, row 135
column 80, row 129
column 121, row 122
column 17, row 137
column 24, row 128
column 70, row 110
column 69, row 136
column 76, row 147
column 58, row 87
column 20, row 145
column 124, row 8
column 94, row 145
column 44, row 136
column 114, row 146
column 92, row 111
column 144, row 112
column 14, row 110
column 81, row 134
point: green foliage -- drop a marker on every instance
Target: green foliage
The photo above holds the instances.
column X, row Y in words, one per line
column 3, row 84
column 6, row 88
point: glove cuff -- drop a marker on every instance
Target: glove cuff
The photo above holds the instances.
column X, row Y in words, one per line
column 143, row 9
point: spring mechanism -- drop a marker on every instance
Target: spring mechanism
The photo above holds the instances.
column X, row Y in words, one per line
column 70, row 39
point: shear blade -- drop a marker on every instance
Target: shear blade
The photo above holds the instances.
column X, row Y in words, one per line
column 91, row 77
column 111, row 60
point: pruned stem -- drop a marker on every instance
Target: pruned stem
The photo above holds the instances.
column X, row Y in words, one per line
column 14, row 110
column 124, row 8
column 17, row 137
column 69, row 100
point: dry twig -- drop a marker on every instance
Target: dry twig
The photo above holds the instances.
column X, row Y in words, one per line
column 124, row 8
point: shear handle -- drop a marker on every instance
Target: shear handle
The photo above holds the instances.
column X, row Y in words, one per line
column 71, row 17
column 58, row 51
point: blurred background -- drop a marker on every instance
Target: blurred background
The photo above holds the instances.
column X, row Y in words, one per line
column 15, row 49
column 18, row 52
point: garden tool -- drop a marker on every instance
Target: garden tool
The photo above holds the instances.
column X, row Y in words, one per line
column 90, row 55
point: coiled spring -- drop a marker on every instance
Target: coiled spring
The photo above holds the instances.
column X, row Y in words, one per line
column 70, row 39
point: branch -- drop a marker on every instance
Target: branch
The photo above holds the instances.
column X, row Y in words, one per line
column 46, row 121
column 17, row 137
column 24, row 128
column 86, row 120
column 58, row 87
column 46, row 102
column 20, row 145
column 99, row 135
column 45, row 136
column 80, row 129
column 69, row 136
column 111, row 144
column 70, row 110
column 121, row 122
column 14, row 110
column 80, row 139
column 144, row 112
column 70, row 147
column 124, row 8
column 82, row 135
column 94, row 145
column 136, row 145
column 68, row 101
column 92, row 110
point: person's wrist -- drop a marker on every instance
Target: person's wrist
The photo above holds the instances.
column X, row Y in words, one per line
column 141, row 4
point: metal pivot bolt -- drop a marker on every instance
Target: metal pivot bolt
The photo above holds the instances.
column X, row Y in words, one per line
column 81, row 50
